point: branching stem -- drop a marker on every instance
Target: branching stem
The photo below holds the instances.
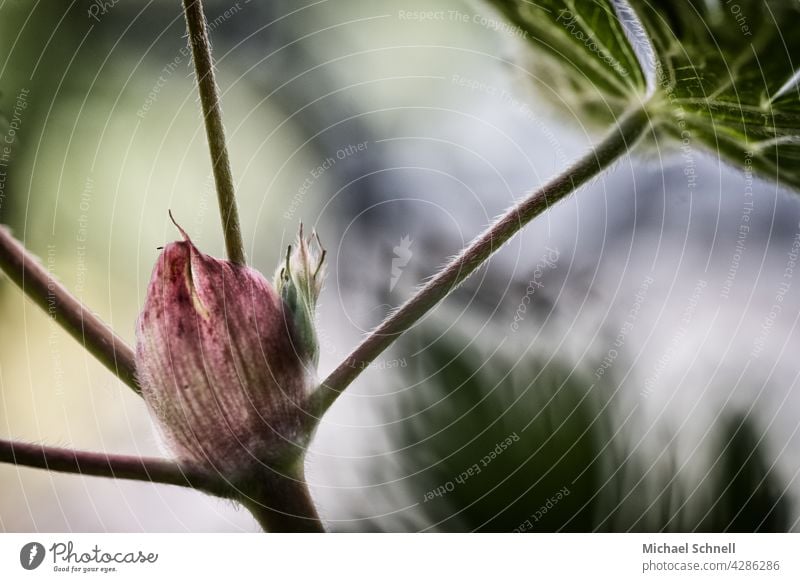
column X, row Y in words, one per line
column 616, row 143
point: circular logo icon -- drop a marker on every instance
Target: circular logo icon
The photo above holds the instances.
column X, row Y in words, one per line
column 31, row 555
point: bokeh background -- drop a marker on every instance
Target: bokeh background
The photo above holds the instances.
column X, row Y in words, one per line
column 624, row 347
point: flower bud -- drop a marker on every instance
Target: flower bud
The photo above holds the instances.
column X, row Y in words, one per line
column 223, row 360
column 299, row 282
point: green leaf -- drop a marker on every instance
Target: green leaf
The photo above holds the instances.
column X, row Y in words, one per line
column 487, row 444
column 491, row 441
column 589, row 58
column 722, row 75
column 726, row 78
column 747, row 492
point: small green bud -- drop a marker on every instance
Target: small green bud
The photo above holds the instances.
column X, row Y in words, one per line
column 299, row 282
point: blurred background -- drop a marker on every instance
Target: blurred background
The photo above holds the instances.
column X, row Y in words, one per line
column 625, row 363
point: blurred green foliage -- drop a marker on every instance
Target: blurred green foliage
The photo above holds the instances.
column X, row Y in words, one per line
column 492, row 444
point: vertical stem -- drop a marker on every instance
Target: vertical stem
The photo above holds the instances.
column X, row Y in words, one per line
column 280, row 502
column 38, row 284
column 215, row 132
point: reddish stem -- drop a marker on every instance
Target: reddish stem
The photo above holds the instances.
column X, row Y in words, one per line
column 40, row 286
column 149, row 469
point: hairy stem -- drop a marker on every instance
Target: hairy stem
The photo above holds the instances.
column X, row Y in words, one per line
column 38, row 284
column 280, row 501
column 114, row 466
column 618, row 141
column 215, row 131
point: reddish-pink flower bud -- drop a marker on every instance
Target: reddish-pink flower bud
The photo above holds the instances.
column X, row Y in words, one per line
column 222, row 364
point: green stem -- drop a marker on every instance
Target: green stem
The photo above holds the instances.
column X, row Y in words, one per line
column 38, row 284
column 215, row 131
column 616, row 143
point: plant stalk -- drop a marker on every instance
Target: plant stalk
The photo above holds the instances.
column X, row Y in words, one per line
column 39, row 285
column 215, row 131
column 616, row 143
column 114, row 466
column 281, row 502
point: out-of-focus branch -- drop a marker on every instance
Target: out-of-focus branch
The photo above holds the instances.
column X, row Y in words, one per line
column 38, row 284
column 215, row 131
column 114, row 466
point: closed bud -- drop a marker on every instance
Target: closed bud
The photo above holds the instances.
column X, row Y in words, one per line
column 223, row 363
column 299, row 282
